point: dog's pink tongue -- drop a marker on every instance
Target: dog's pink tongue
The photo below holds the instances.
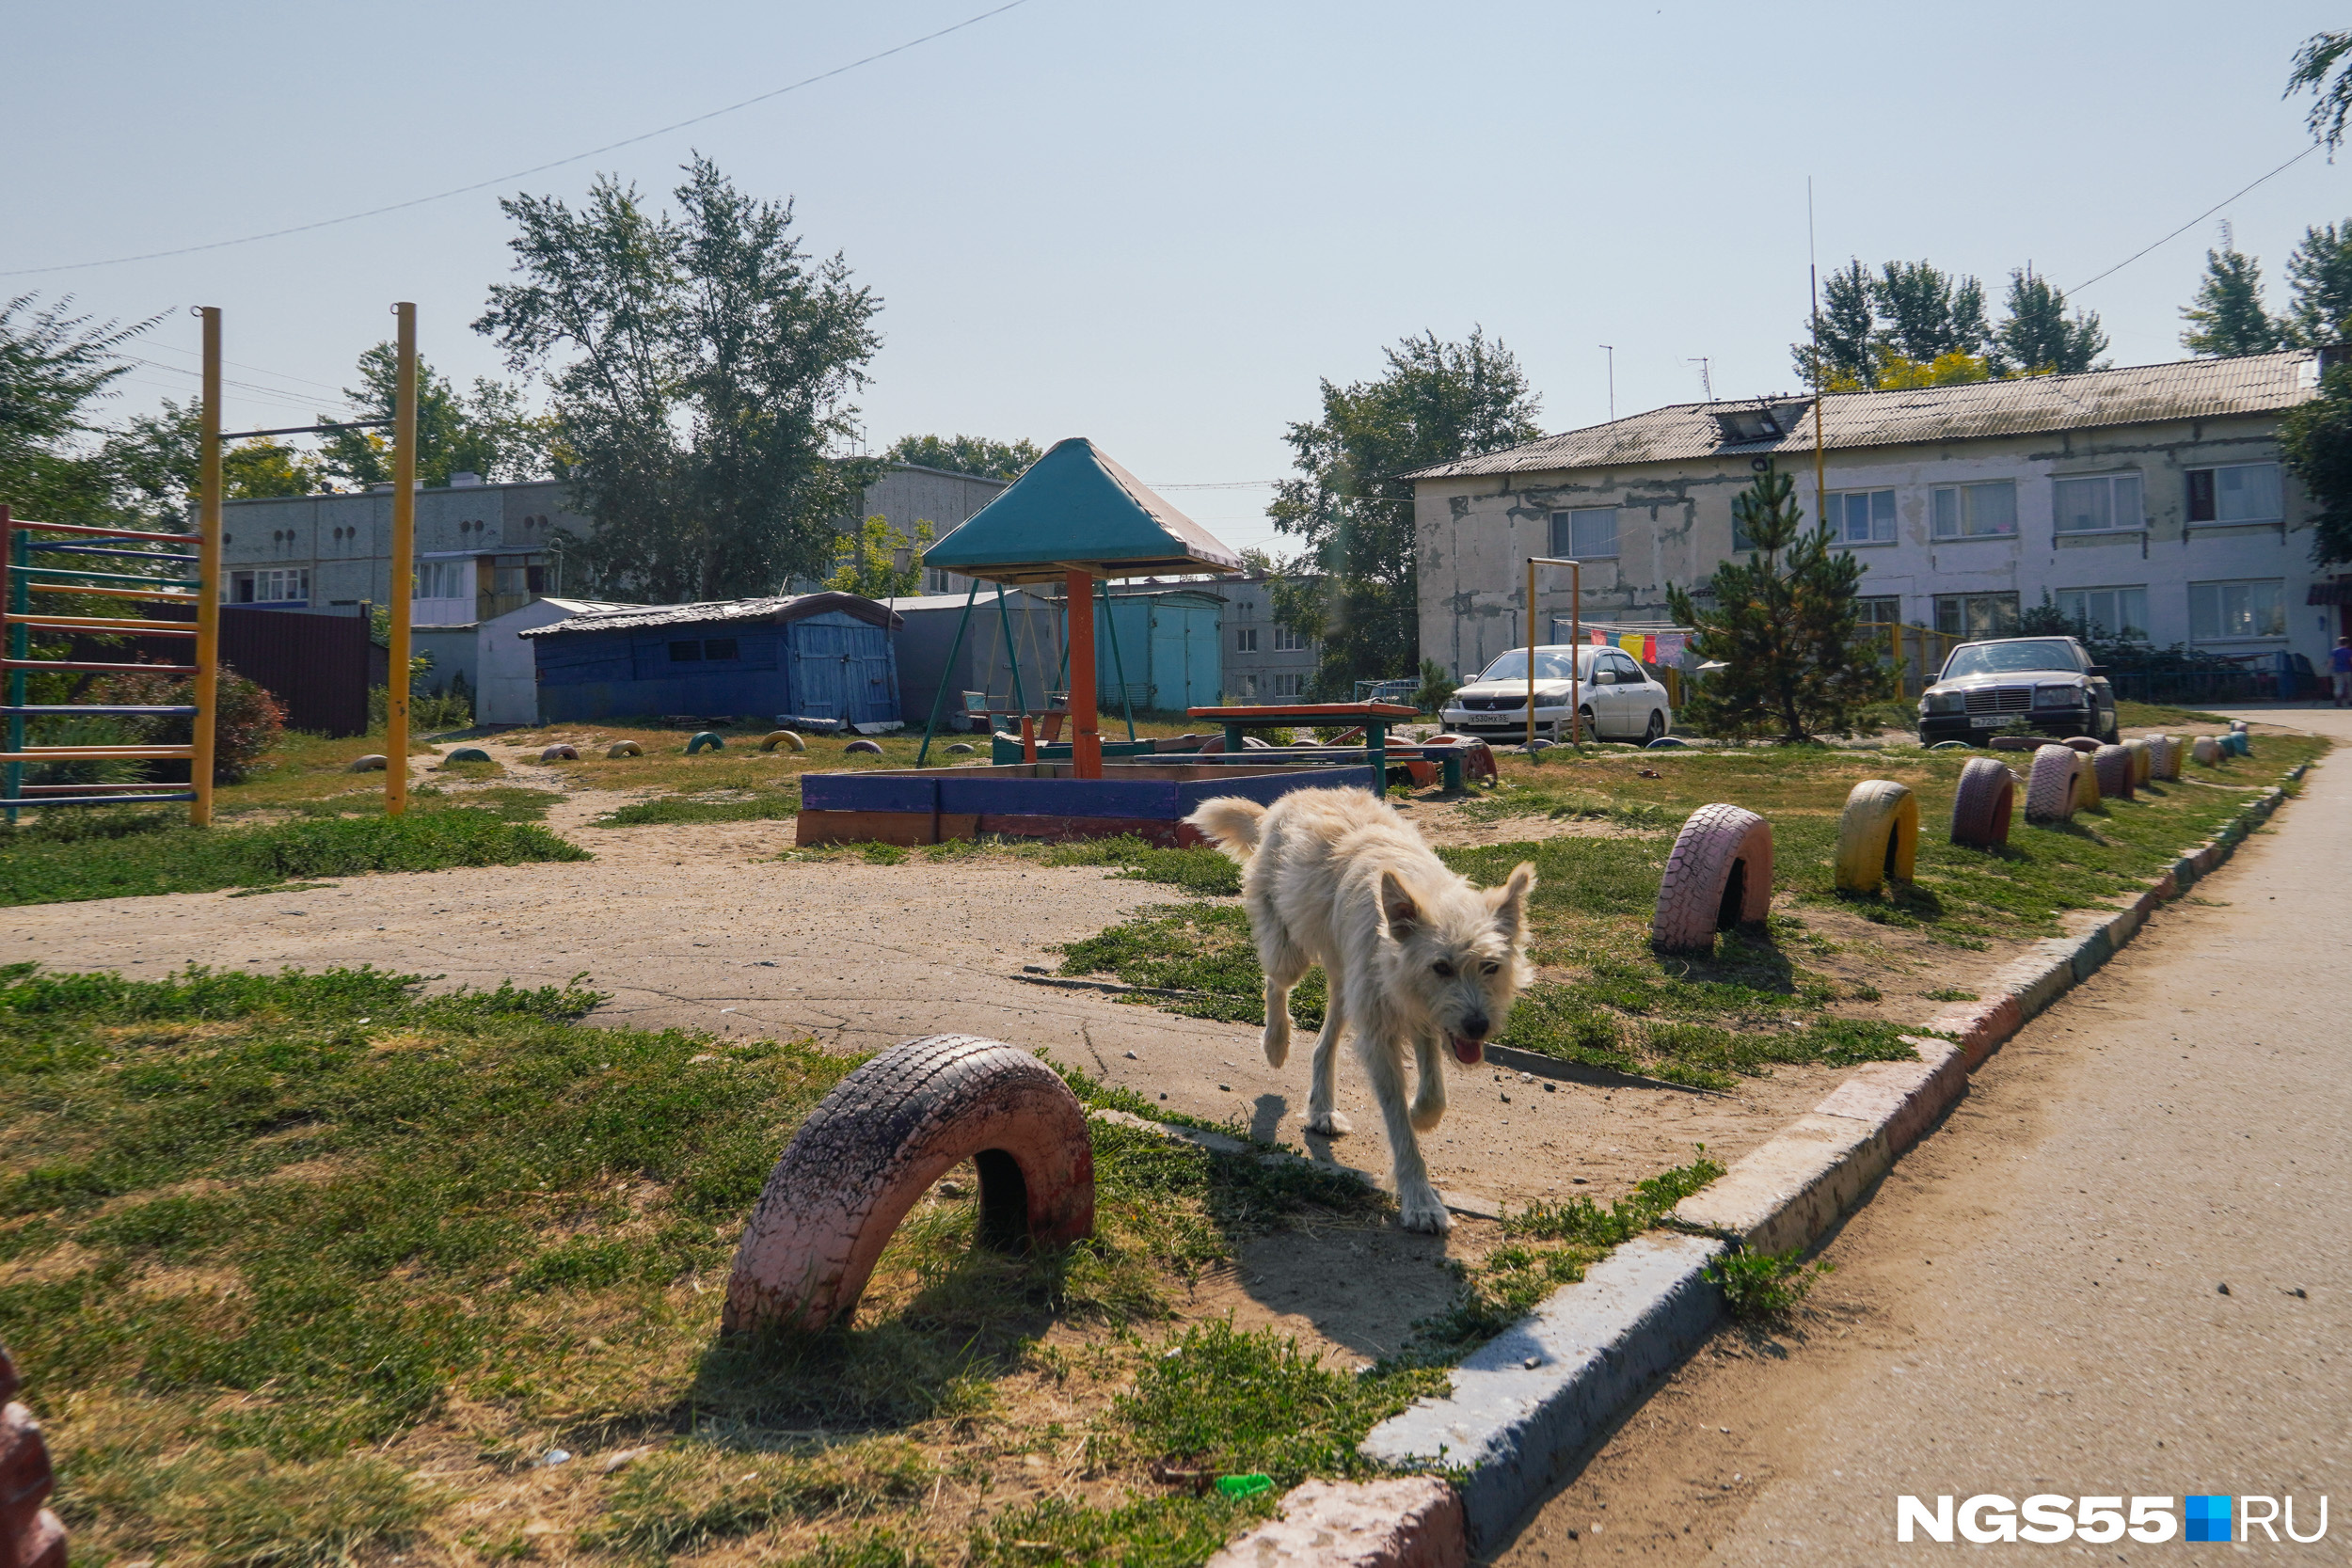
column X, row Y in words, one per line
column 1468, row 1051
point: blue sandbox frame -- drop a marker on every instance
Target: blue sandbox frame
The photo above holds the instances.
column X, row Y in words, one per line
column 1042, row 799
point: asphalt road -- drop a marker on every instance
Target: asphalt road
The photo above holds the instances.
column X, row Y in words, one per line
column 2034, row 1303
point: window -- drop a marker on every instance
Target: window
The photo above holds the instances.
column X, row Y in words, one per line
column 444, row 580
column 1290, row 686
column 2245, row 492
column 2221, row 610
column 1290, row 640
column 276, row 585
column 719, row 647
column 2109, row 613
column 1245, row 639
column 1975, row 614
column 2098, row 504
column 1976, row 511
column 688, row 651
column 1587, row 533
column 1862, row 517
column 1880, row 610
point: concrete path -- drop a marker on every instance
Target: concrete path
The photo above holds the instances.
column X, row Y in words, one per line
column 2035, row 1301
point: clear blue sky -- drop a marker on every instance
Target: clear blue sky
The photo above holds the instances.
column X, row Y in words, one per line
column 1160, row 225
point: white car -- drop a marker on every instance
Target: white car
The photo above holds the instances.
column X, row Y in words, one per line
column 1618, row 700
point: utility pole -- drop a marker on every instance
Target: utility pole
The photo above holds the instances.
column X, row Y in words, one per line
column 1612, row 378
column 403, row 559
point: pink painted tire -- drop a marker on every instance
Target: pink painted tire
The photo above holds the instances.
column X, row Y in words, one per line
column 2118, row 772
column 30, row 1535
column 1719, row 875
column 877, row 1143
column 1982, row 805
column 2052, row 791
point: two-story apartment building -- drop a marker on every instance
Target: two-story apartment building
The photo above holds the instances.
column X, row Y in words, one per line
column 2148, row 500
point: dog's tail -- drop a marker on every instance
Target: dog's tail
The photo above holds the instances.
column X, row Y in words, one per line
column 1231, row 823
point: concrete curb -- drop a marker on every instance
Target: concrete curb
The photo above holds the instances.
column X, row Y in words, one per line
column 1530, row 1402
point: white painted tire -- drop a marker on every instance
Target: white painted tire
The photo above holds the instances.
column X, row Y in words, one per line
column 2052, row 787
column 2205, row 750
column 2114, row 767
column 1878, row 836
column 1719, row 875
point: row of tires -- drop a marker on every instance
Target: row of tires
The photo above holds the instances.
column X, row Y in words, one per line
column 1720, row 873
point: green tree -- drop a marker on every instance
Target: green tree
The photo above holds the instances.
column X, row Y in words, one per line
column 2227, row 318
column 880, row 561
column 153, row 461
column 1787, row 628
column 710, row 363
column 2323, row 54
column 1927, row 313
column 1847, row 325
column 2320, row 273
column 2038, row 338
column 966, row 454
column 489, row 433
column 1353, row 585
column 2315, row 438
column 54, row 368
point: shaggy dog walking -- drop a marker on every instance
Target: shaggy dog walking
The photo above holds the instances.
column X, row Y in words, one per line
column 1415, row 959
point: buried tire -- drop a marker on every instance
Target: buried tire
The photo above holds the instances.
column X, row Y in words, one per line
column 1719, row 875
column 30, row 1535
column 2143, row 761
column 1982, row 806
column 2053, row 790
column 1878, row 836
column 2087, row 791
column 877, row 1143
column 2115, row 768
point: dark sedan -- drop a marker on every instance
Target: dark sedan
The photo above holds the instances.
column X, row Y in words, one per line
column 2049, row 682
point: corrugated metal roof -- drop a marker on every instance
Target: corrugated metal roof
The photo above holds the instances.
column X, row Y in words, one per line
column 774, row 611
column 2139, row 394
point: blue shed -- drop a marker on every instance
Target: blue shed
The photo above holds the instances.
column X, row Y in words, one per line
column 826, row 658
column 1170, row 646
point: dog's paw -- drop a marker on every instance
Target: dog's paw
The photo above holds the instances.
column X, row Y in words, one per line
column 1277, row 1046
column 1422, row 1115
column 1330, row 1124
column 1423, row 1210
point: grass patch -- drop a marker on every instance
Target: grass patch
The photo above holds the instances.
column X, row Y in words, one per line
column 131, row 854
column 766, row 805
column 1765, row 1287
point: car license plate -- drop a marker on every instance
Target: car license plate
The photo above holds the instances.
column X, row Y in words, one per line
column 1989, row 720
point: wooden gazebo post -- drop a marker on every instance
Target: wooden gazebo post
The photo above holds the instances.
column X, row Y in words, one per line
column 1086, row 737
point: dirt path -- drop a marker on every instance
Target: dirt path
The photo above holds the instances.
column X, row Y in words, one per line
column 2033, row 1303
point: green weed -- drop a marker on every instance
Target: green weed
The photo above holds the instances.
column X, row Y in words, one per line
column 1765, row 1287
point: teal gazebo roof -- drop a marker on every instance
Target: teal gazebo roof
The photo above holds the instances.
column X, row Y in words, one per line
column 1076, row 509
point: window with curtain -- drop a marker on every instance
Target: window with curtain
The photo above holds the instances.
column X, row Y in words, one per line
column 2098, row 504
column 2111, row 612
column 1975, row 615
column 1974, row 511
column 1862, row 517
column 1587, row 533
column 2218, row 612
column 2242, row 493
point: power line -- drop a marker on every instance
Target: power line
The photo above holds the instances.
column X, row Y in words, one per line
column 536, row 168
column 2195, row 221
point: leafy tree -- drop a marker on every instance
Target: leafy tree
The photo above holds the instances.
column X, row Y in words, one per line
column 1847, row 328
column 2227, row 318
column 54, row 367
column 2038, row 338
column 1927, row 313
column 2320, row 273
column 1945, row 370
column 2315, row 438
column 153, row 462
column 1786, row 626
column 966, row 454
column 710, row 365
column 880, row 561
column 1353, row 586
column 489, row 433
column 2331, row 96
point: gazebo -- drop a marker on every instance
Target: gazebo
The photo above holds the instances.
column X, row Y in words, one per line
column 1074, row 517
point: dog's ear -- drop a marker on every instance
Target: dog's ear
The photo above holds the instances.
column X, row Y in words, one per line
column 1397, row 908
column 1510, row 900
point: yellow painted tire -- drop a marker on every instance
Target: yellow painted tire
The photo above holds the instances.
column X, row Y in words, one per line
column 2087, row 791
column 2143, row 761
column 625, row 749
column 1878, row 836
column 782, row 737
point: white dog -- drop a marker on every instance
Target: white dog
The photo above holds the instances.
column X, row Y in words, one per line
column 1411, row 954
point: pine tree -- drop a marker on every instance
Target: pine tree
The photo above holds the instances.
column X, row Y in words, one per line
column 2227, row 318
column 2038, row 339
column 1786, row 625
column 2320, row 273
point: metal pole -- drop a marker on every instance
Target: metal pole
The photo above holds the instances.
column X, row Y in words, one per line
column 1126, row 698
column 207, row 677
column 403, row 561
column 1531, row 652
column 1086, row 737
column 948, row 673
column 1576, row 652
column 20, row 647
column 1012, row 655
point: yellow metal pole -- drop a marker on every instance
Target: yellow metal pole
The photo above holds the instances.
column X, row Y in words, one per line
column 1531, row 652
column 1895, row 635
column 207, row 694
column 403, row 585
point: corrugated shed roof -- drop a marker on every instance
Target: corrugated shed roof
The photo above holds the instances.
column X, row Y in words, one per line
column 774, row 611
column 2139, row 394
